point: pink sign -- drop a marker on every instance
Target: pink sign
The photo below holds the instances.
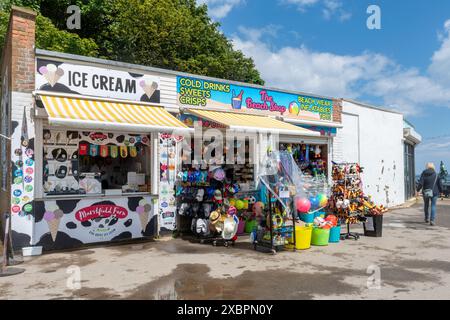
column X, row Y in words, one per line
column 101, row 211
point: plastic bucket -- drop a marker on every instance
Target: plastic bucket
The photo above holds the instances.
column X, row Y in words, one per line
column 250, row 225
column 241, row 227
column 335, row 234
column 319, row 213
column 307, row 217
column 303, row 237
column 320, row 237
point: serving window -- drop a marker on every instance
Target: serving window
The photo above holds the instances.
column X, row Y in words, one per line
column 78, row 162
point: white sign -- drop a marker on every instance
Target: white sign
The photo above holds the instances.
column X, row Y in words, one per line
column 94, row 81
column 369, row 224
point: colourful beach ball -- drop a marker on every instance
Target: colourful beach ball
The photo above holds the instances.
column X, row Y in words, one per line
column 303, row 205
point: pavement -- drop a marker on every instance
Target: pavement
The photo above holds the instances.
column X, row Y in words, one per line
column 410, row 261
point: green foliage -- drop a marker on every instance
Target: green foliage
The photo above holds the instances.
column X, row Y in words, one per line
column 172, row 34
column 50, row 38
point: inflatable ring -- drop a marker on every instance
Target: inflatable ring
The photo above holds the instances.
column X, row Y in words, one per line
column 278, row 220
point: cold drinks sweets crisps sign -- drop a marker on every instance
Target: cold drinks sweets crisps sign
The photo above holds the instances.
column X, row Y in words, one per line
column 199, row 93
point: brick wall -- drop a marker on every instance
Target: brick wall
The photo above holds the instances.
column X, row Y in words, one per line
column 22, row 49
column 337, row 110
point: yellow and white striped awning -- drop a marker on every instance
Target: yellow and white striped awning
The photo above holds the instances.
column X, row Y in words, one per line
column 96, row 114
column 238, row 121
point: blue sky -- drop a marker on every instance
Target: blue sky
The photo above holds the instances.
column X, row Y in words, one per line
column 325, row 47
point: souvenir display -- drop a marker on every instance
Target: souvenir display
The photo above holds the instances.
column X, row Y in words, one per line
column 348, row 200
column 312, row 159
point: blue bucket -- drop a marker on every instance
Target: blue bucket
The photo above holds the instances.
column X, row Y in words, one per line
column 307, row 217
column 335, row 234
column 320, row 213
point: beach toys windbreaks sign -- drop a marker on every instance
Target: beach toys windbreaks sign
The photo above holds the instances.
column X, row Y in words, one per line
column 199, row 93
column 87, row 80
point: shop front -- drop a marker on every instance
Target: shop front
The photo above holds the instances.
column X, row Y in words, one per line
column 90, row 173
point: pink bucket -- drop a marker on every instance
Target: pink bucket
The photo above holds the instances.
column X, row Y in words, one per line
column 241, row 227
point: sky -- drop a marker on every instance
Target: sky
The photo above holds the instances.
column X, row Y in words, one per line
column 325, row 47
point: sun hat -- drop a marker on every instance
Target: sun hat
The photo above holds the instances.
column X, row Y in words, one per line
column 219, row 174
column 214, row 217
column 229, row 228
column 218, row 195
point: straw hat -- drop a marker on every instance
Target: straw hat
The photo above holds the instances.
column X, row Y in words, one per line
column 214, row 217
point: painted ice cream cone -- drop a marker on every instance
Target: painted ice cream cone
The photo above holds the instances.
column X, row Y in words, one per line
column 53, row 219
column 52, row 73
column 149, row 87
column 53, row 225
column 143, row 217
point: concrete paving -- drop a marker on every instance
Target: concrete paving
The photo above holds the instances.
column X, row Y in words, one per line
column 411, row 261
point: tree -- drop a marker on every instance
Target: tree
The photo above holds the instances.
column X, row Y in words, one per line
column 48, row 36
column 172, row 34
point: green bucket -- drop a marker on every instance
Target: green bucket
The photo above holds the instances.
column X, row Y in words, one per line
column 250, row 225
column 320, row 237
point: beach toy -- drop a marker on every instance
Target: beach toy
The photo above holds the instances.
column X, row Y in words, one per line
column 332, row 219
column 303, row 205
column 293, row 108
column 323, row 200
column 239, row 204
column 320, row 237
column 303, row 237
column 232, row 202
column 250, row 225
column 307, row 217
column 335, row 234
column 314, row 200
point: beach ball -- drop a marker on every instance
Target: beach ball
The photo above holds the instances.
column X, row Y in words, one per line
column 293, row 108
column 239, row 204
column 303, row 205
column 314, row 200
column 332, row 219
column 323, row 200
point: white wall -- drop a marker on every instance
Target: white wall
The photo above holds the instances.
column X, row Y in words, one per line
column 374, row 138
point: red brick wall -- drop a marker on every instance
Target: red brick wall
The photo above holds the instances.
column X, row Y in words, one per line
column 337, row 110
column 18, row 57
column 22, row 49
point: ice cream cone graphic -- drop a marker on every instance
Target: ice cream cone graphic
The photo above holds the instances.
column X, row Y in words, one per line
column 53, row 219
column 53, row 225
column 52, row 73
column 149, row 87
column 143, row 217
column 143, row 211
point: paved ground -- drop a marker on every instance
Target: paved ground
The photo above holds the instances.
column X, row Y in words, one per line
column 413, row 261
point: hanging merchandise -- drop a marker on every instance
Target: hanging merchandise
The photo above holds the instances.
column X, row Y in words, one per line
column 83, row 148
column 123, row 151
column 104, row 151
column 93, row 150
column 114, row 151
column 133, row 152
column 348, row 200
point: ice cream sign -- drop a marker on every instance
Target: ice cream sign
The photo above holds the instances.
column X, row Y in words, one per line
column 100, row 211
column 199, row 93
column 95, row 81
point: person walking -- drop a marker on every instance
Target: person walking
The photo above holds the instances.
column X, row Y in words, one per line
column 431, row 186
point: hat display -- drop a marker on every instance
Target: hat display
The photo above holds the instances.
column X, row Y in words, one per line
column 230, row 227
column 219, row 174
column 214, row 217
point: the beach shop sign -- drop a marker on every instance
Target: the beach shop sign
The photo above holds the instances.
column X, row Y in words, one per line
column 94, row 81
column 199, row 93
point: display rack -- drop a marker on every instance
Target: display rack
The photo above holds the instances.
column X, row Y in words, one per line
column 347, row 187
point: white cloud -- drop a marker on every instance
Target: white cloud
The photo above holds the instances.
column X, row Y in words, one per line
column 440, row 62
column 301, row 4
column 219, row 9
column 330, row 8
column 352, row 76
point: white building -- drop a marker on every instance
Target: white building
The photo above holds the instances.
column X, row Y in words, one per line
column 382, row 142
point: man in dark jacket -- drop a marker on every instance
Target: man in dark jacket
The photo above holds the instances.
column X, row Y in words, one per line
column 429, row 180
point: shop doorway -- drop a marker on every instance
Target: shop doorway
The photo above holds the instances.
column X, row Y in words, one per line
column 410, row 183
